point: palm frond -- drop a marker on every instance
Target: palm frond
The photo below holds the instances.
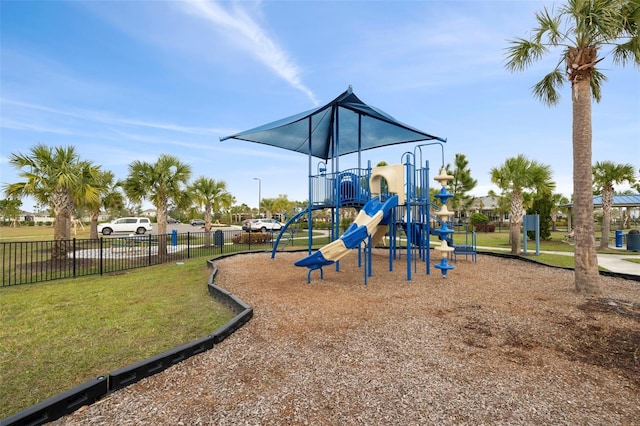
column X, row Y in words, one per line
column 627, row 52
column 547, row 89
column 597, row 80
column 549, row 26
column 522, row 53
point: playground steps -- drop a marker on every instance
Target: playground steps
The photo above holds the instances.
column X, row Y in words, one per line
column 469, row 248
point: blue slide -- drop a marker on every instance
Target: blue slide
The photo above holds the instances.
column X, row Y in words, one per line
column 366, row 224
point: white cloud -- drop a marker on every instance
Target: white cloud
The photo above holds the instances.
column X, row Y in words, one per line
column 100, row 117
column 253, row 39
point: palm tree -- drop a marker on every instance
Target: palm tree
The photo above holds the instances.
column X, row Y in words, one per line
column 283, row 206
column 516, row 175
column 10, row 209
column 55, row 177
column 267, row 206
column 606, row 174
column 557, row 200
column 636, row 184
column 580, row 29
column 108, row 198
column 163, row 182
column 211, row 195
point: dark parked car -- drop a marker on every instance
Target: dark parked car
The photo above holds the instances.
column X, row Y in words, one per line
column 197, row 222
column 172, row 221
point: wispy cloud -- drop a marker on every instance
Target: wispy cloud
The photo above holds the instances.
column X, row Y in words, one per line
column 104, row 118
column 253, row 38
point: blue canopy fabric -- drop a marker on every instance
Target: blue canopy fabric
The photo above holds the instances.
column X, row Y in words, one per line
column 343, row 126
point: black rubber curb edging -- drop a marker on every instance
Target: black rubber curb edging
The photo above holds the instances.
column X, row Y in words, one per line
column 89, row 392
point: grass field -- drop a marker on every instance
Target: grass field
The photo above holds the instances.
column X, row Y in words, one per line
column 59, row 334
column 35, row 233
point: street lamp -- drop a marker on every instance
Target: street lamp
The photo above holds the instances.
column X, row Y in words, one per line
column 259, row 193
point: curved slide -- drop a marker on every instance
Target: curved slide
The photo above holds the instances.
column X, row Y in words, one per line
column 366, row 224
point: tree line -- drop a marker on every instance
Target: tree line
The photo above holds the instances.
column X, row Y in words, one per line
column 58, row 178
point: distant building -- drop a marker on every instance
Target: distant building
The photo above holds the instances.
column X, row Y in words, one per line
column 149, row 213
column 488, row 206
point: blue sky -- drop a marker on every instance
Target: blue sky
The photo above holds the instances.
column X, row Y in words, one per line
column 131, row 80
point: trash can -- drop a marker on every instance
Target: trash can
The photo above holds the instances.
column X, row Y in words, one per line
column 619, row 239
column 174, row 237
column 218, row 238
column 633, row 240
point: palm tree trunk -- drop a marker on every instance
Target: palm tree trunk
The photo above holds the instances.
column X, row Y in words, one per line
column 515, row 220
column 62, row 207
column 161, row 217
column 587, row 278
column 59, row 249
column 207, row 225
column 607, row 202
column 93, row 226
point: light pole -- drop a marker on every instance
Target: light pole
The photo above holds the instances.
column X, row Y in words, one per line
column 259, row 193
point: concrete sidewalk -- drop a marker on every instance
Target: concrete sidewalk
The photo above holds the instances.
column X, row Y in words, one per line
column 612, row 262
column 617, row 263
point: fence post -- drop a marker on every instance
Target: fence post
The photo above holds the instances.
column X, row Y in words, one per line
column 101, row 251
column 149, row 249
column 74, row 257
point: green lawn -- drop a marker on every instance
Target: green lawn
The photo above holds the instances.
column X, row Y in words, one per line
column 58, row 334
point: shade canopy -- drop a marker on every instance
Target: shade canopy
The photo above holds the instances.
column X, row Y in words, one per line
column 343, row 126
column 621, row 200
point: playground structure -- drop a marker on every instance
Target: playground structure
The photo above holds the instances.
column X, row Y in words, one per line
column 391, row 200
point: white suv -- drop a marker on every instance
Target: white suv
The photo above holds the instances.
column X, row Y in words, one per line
column 139, row 225
column 261, row 225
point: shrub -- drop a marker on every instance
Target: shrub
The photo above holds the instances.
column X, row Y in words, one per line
column 485, row 227
column 253, row 237
column 479, row 219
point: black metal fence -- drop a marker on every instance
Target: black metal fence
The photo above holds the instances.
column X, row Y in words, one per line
column 33, row 261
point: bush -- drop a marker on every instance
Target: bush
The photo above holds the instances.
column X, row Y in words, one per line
column 479, row 219
column 253, row 237
column 320, row 225
column 485, row 227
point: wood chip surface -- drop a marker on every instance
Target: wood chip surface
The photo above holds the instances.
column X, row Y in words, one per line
column 500, row 341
